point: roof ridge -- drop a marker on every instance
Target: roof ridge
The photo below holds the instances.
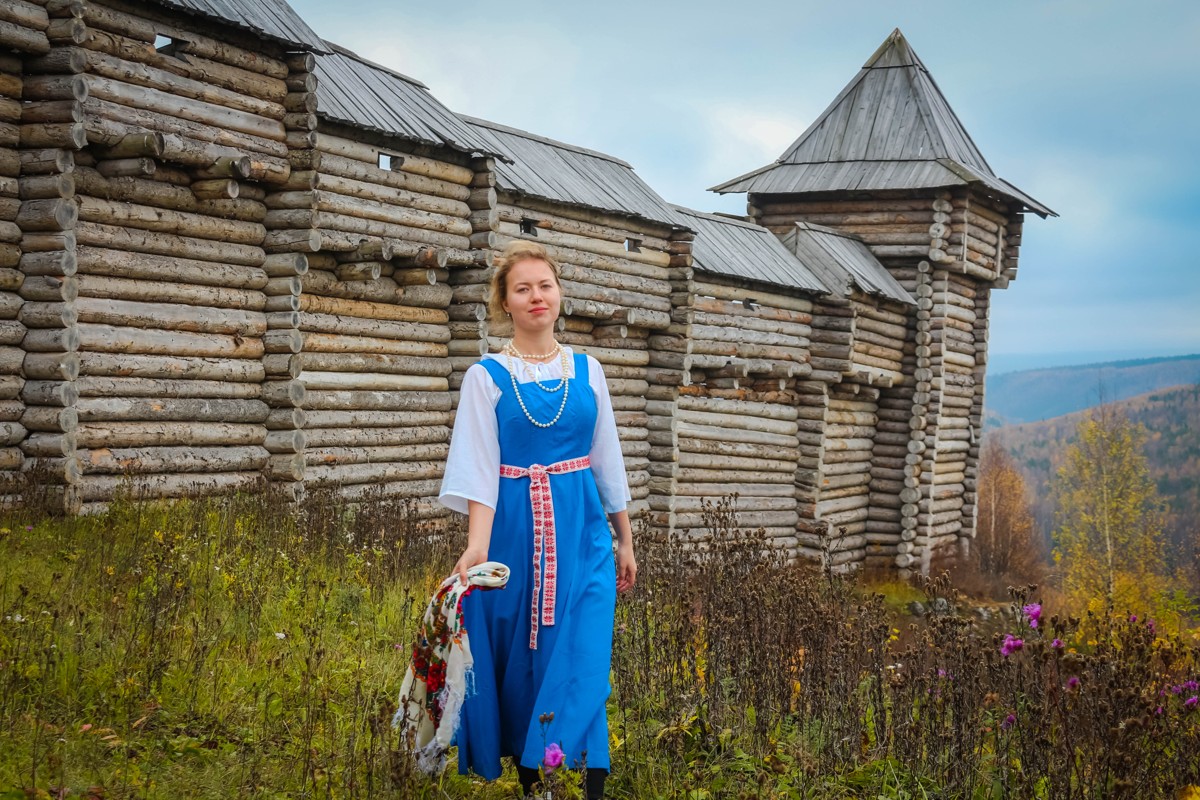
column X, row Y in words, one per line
column 483, row 123
column 348, row 53
column 719, row 217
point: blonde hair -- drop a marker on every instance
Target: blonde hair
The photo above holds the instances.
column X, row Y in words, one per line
column 514, row 253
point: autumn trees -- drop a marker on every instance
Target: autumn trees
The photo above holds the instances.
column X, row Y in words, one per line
column 1007, row 547
column 1109, row 519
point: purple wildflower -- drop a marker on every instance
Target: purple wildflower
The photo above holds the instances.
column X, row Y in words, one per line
column 1057, row 644
column 553, row 758
column 1191, row 686
column 1034, row 612
column 1009, row 721
column 1011, row 645
column 1191, row 701
column 1158, row 711
column 1133, row 617
column 1073, row 682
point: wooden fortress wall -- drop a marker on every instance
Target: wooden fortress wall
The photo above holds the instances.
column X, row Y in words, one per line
column 948, row 249
column 204, row 284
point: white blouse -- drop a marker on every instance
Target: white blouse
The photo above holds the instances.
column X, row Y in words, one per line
column 473, row 466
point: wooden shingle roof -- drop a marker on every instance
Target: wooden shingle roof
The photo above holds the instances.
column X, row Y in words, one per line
column 363, row 94
column 890, row 128
column 563, row 173
column 731, row 247
column 271, row 19
column 843, row 262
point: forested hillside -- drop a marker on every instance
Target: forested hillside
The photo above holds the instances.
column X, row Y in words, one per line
column 1172, row 421
column 1042, row 394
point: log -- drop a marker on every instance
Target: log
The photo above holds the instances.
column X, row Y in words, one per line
column 148, row 434
column 49, row 445
column 347, row 223
column 329, row 400
column 47, row 187
column 368, row 310
column 387, row 329
column 49, row 419
column 359, row 271
column 95, row 409
column 114, row 339
column 42, row 161
column 158, row 243
column 329, row 456
column 382, row 210
column 114, row 263
column 106, row 487
column 343, row 474
column 123, row 146
column 96, row 286
column 370, row 173
column 169, row 317
column 160, row 220
column 21, row 38
column 158, row 460
column 372, row 382
column 371, row 363
column 125, row 387
column 47, row 215
column 416, row 165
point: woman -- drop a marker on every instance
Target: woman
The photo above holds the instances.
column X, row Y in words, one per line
column 536, row 464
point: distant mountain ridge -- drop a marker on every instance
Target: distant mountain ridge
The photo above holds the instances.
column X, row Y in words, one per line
column 1042, row 394
column 1171, row 417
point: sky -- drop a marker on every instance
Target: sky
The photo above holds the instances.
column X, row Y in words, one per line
column 1090, row 106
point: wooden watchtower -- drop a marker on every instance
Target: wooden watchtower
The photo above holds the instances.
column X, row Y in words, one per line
column 889, row 162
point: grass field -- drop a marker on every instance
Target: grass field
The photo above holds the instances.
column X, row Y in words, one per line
column 236, row 648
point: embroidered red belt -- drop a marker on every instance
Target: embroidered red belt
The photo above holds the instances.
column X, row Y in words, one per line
column 543, row 535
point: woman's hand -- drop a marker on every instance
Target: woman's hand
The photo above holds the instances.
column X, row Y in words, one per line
column 471, row 557
column 626, row 567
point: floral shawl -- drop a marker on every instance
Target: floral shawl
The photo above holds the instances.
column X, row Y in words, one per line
column 439, row 677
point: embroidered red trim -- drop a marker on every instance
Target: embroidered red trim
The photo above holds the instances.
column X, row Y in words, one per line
column 544, row 538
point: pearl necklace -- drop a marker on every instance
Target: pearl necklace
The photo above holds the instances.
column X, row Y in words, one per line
column 511, row 347
column 511, row 351
column 563, row 385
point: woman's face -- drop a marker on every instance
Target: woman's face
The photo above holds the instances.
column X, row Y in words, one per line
column 533, row 298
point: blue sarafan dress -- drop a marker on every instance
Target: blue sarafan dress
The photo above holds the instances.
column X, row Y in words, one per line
column 528, row 666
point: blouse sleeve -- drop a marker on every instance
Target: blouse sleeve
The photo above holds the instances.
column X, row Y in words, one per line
column 608, row 464
column 473, row 466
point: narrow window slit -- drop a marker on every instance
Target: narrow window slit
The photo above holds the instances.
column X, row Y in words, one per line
column 529, row 227
column 633, row 245
column 167, row 45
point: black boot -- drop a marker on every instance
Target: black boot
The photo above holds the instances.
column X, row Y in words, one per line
column 528, row 777
column 595, row 783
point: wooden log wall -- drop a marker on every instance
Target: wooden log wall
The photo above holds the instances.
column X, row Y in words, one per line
column 947, row 249
column 143, row 259
column 883, row 356
column 725, row 413
column 615, row 298
column 203, row 283
column 360, row 341
column 894, row 225
column 22, row 35
column 975, row 234
column 946, row 412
